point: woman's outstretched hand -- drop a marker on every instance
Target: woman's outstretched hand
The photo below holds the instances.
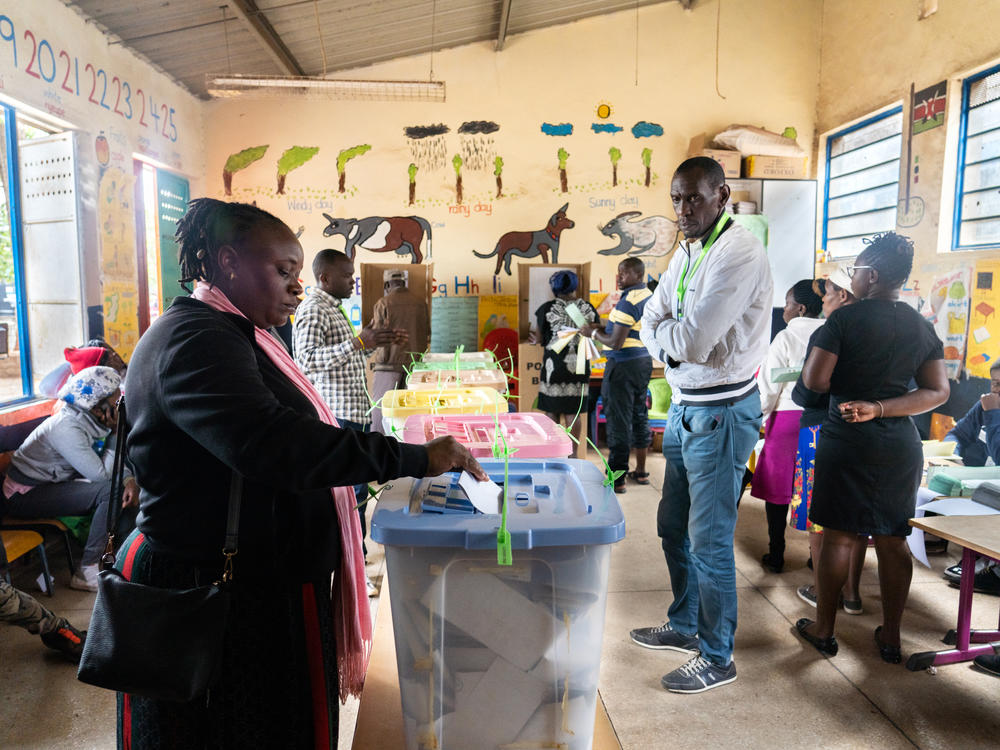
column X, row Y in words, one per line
column 859, row 411
column 446, row 453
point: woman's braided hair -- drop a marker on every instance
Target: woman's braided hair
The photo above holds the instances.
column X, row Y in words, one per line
column 891, row 255
column 209, row 224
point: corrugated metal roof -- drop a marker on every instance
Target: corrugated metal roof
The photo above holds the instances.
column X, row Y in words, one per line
column 189, row 38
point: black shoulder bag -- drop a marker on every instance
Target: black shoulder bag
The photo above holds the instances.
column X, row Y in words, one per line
column 157, row 643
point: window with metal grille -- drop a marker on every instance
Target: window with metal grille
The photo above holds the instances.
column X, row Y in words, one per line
column 977, row 192
column 862, row 182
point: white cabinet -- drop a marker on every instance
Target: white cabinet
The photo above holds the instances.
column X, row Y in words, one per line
column 790, row 208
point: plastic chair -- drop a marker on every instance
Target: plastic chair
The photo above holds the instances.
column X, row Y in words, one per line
column 659, row 392
column 503, row 343
column 19, row 543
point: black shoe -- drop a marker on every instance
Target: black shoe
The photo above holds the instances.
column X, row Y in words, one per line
column 699, row 675
column 823, row 645
column 889, row 654
column 665, row 638
column 67, row 640
column 985, row 581
column 773, row 563
column 953, row 573
column 809, row 562
column 620, row 486
column 988, row 663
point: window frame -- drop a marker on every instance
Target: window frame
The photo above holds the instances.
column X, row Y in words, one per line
column 963, row 126
column 891, row 111
column 17, row 249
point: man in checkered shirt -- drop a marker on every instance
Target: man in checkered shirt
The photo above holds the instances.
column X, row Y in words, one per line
column 331, row 354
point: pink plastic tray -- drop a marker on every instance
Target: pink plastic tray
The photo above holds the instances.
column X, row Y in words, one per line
column 534, row 435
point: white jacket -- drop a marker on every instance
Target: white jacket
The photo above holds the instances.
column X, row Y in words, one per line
column 787, row 350
column 723, row 335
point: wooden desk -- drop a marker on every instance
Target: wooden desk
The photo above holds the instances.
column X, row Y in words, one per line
column 380, row 715
column 978, row 536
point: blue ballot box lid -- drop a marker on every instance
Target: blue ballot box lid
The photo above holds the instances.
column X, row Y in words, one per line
column 551, row 503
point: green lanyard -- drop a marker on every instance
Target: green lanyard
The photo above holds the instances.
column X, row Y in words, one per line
column 682, row 285
column 348, row 319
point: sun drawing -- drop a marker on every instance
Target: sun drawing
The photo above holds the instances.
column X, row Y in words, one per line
column 605, row 110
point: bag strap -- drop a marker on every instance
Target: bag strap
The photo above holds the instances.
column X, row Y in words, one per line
column 229, row 549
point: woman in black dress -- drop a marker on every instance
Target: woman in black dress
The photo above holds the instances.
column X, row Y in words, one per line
column 869, row 458
column 210, row 394
column 562, row 391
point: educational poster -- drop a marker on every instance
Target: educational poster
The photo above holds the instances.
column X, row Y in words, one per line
column 116, row 229
column 496, row 311
column 948, row 311
column 984, row 328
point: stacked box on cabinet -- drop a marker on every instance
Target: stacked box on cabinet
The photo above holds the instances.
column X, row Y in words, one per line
column 489, row 655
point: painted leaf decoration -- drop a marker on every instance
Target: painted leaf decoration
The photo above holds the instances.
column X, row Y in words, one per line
column 243, row 159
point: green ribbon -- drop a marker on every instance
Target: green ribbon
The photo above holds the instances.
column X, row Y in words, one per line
column 682, row 284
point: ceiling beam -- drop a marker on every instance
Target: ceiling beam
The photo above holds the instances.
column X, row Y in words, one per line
column 504, row 21
column 251, row 16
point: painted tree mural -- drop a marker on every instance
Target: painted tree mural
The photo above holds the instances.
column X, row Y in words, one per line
column 293, row 158
column 498, row 172
column 563, row 155
column 615, row 154
column 238, row 161
column 412, row 171
column 456, row 162
column 647, row 158
column 345, row 156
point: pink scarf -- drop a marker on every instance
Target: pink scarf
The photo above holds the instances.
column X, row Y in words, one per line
column 351, row 611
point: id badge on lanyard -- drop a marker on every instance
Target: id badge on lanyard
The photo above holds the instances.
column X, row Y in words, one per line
column 682, row 284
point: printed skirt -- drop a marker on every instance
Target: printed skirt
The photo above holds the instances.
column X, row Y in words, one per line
column 279, row 676
column 802, row 484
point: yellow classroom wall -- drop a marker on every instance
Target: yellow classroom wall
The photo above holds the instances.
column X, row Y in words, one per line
column 861, row 73
column 768, row 76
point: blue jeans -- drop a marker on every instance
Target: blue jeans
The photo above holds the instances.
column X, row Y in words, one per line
column 707, row 448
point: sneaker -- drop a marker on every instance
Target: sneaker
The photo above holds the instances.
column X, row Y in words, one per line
column 85, row 578
column 372, row 588
column 807, row 594
column 984, row 582
column 852, row 606
column 665, row 638
column 699, row 675
column 67, row 640
column 988, row 663
column 954, row 573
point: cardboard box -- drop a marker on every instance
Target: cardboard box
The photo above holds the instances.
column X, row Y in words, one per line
column 776, row 167
column 533, row 289
column 727, row 158
column 420, row 282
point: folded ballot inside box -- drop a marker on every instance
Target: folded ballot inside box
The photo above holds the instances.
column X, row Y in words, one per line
column 490, row 655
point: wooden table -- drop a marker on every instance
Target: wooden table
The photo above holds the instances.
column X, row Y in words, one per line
column 979, row 536
column 380, row 715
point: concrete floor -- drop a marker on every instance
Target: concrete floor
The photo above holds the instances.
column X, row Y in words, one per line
column 787, row 695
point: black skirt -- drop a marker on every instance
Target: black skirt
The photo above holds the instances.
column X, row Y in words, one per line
column 279, row 677
column 867, row 476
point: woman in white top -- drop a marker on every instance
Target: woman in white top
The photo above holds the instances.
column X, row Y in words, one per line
column 772, row 479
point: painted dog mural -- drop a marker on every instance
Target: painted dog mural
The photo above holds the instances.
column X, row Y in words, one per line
column 396, row 234
column 531, row 244
column 654, row 236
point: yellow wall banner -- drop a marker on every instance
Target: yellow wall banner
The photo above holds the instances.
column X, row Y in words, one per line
column 984, row 324
column 496, row 311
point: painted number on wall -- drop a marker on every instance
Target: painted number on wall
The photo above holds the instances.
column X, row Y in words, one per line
column 107, row 92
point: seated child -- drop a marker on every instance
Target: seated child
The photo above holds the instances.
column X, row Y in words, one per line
column 985, row 415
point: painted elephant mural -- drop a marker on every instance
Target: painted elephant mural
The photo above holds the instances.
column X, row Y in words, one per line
column 380, row 234
column 653, row 236
column 531, row 244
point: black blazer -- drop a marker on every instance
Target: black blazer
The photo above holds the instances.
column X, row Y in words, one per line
column 203, row 399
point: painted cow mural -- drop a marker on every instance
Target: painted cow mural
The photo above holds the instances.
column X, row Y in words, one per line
column 380, row 234
column 531, row 244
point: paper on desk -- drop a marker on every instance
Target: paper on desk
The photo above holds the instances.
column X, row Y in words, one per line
column 957, row 506
column 485, row 496
column 915, row 541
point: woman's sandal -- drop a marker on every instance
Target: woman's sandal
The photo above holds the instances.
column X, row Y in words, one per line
column 823, row 645
column 890, row 654
column 639, row 477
